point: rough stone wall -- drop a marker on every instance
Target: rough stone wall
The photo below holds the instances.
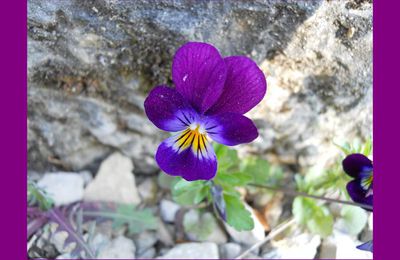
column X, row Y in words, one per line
column 91, row 63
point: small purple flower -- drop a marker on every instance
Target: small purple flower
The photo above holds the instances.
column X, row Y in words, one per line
column 211, row 95
column 360, row 168
column 360, row 189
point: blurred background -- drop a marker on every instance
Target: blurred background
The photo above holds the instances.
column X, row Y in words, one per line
column 92, row 63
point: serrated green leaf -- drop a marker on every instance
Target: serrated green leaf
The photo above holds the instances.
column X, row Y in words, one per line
column 237, row 216
column 189, row 193
column 137, row 220
column 354, row 219
column 124, row 214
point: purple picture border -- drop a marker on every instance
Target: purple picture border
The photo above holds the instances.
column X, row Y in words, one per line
column 14, row 128
column 386, row 127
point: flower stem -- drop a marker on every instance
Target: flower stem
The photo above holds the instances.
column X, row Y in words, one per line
column 303, row 194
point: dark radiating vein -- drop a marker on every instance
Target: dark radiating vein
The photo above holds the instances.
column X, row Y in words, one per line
column 182, row 135
column 204, row 141
column 188, row 121
column 212, row 127
column 183, row 122
column 187, row 136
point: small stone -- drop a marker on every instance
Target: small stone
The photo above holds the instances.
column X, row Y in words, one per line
column 204, row 250
column 230, row 250
column 63, row 187
column 114, row 182
column 346, row 247
column 168, row 210
column 145, row 240
column 148, row 190
column 87, row 177
column 120, row 247
column 163, row 234
column 248, row 237
column 148, row 254
column 203, row 227
column 295, row 246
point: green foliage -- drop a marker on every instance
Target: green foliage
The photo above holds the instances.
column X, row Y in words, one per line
column 237, row 215
column 316, row 218
column 354, row 219
column 37, row 196
column 190, row 193
column 137, row 220
column 357, row 147
column 232, row 173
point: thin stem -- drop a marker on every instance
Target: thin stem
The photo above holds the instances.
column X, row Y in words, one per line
column 276, row 231
column 303, row 194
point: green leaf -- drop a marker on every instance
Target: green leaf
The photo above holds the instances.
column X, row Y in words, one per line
column 233, row 179
column 237, row 216
column 354, row 219
column 257, row 168
column 228, row 159
column 38, row 196
column 321, row 222
column 316, row 218
column 190, row 193
column 137, row 220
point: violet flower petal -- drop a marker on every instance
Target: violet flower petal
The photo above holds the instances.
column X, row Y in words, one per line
column 167, row 109
column 231, row 129
column 368, row 246
column 199, row 73
column 358, row 194
column 186, row 163
column 354, row 164
column 245, row 87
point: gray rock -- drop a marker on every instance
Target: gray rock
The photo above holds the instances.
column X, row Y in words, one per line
column 120, row 247
column 203, row 227
column 90, row 65
column 144, row 241
column 148, row 254
column 114, row 182
column 148, row 190
column 230, row 250
column 297, row 245
column 63, row 187
column 343, row 246
column 204, row 250
column 168, row 210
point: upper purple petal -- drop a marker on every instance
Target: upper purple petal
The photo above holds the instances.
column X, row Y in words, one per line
column 186, row 163
column 199, row 73
column 231, row 129
column 245, row 87
column 168, row 110
column 358, row 194
column 355, row 164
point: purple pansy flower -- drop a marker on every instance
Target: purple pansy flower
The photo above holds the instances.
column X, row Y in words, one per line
column 360, row 189
column 211, row 95
column 359, row 167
